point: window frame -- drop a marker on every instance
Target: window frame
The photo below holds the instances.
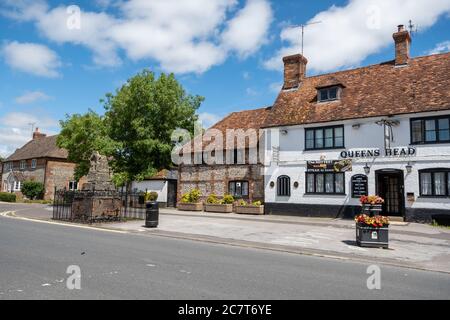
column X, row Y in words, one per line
column 314, row 129
column 433, row 171
column 423, row 129
column 17, row 186
column 241, row 196
column 286, row 180
column 22, row 165
column 33, row 163
column 73, row 183
column 324, row 182
column 328, row 89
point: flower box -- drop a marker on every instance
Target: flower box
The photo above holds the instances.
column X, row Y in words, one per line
column 221, row 208
column 190, row 206
column 249, row 209
column 372, row 237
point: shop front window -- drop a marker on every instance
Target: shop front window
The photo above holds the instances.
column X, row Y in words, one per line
column 325, row 183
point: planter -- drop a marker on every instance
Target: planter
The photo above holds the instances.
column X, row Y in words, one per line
column 190, row 206
column 221, row 208
column 372, row 209
column 259, row 210
column 367, row 236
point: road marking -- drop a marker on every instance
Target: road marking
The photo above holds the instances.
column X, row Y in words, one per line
column 10, row 215
column 45, row 285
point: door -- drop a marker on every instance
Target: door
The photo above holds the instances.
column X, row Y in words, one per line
column 172, row 193
column 391, row 188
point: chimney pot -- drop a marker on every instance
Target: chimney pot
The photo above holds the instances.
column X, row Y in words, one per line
column 294, row 71
column 401, row 27
column 38, row 135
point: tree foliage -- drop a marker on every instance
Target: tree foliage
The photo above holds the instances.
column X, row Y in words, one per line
column 140, row 118
column 81, row 135
column 135, row 132
column 32, row 189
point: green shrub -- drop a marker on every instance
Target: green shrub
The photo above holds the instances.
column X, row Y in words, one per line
column 191, row 197
column 7, row 197
column 32, row 189
column 242, row 202
column 227, row 199
column 212, row 199
column 151, row 196
column 257, row 203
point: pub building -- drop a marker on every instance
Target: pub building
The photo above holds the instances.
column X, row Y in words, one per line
column 381, row 129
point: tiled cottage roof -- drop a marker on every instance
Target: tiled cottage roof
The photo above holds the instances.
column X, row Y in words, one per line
column 247, row 119
column 377, row 90
column 44, row 147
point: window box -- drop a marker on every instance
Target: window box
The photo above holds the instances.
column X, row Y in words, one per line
column 372, row 237
column 190, row 206
column 249, row 209
column 220, row 208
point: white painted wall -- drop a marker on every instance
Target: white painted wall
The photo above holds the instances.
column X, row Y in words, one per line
column 159, row 186
column 293, row 158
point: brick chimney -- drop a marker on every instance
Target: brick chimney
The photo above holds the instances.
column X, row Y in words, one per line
column 402, row 43
column 294, row 71
column 38, row 135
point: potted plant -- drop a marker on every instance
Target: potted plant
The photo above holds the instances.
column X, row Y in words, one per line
column 372, row 229
column 243, row 207
column 213, row 204
column 371, row 205
column 191, row 201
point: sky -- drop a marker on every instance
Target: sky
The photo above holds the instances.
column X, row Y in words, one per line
column 61, row 57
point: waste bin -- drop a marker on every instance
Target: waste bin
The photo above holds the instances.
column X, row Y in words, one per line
column 151, row 214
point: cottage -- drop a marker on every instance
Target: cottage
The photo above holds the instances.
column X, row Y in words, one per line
column 39, row 160
column 382, row 129
column 226, row 159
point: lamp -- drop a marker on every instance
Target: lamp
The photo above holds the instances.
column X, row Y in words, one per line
column 284, row 132
column 367, row 169
column 409, row 167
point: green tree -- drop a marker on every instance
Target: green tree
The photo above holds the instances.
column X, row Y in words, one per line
column 81, row 135
column 32, row 189
column 140, row 118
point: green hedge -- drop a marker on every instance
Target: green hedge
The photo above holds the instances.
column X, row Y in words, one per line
column 7, row 197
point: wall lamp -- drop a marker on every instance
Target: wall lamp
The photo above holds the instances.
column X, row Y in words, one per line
column 367, row 169
column 409, row 167
column 284, row 132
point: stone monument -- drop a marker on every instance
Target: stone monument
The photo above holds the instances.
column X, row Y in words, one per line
column 98, row 198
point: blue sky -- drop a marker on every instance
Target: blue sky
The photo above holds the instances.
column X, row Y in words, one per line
column 56, row 61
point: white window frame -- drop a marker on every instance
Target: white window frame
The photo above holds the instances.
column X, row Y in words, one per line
column 17, row 186
column 23, row 165
column 73, row 185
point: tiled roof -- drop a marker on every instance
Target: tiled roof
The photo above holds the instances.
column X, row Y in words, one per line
column 44, row 147
column 377, row 90
column 164, row 174
column 247, row 119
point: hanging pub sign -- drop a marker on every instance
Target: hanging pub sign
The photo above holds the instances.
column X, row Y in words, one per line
column 329, row 166
column 373, row 153
column 359, row 186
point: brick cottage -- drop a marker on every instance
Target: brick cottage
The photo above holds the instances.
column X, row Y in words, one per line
column 39, row 160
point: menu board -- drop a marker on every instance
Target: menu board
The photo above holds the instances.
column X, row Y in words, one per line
column 359, row 186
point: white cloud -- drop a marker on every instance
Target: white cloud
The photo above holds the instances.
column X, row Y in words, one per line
column 440, row 48
column 15, row 129
column 251, row 92
column 208, row 119
column 349, row 34
column 183, row 36
column 247, row 31
column 275, row 87
column 31, row 97
column 32, row 58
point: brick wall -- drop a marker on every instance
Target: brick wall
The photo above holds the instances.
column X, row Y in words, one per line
column 59, row 174
column 215, row 178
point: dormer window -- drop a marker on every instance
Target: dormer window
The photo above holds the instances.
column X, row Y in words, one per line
column 328, row 94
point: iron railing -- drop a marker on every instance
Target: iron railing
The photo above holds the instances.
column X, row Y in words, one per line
column 98, row 206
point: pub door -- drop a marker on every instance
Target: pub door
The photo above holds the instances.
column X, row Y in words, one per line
column 390, row 186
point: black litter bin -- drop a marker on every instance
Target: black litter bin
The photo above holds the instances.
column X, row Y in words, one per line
column 151, row 215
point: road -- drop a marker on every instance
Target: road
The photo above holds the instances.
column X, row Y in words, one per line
column 34, row 258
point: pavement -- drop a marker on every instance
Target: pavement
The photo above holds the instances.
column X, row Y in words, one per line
column 411, row 245
column 35, row 256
